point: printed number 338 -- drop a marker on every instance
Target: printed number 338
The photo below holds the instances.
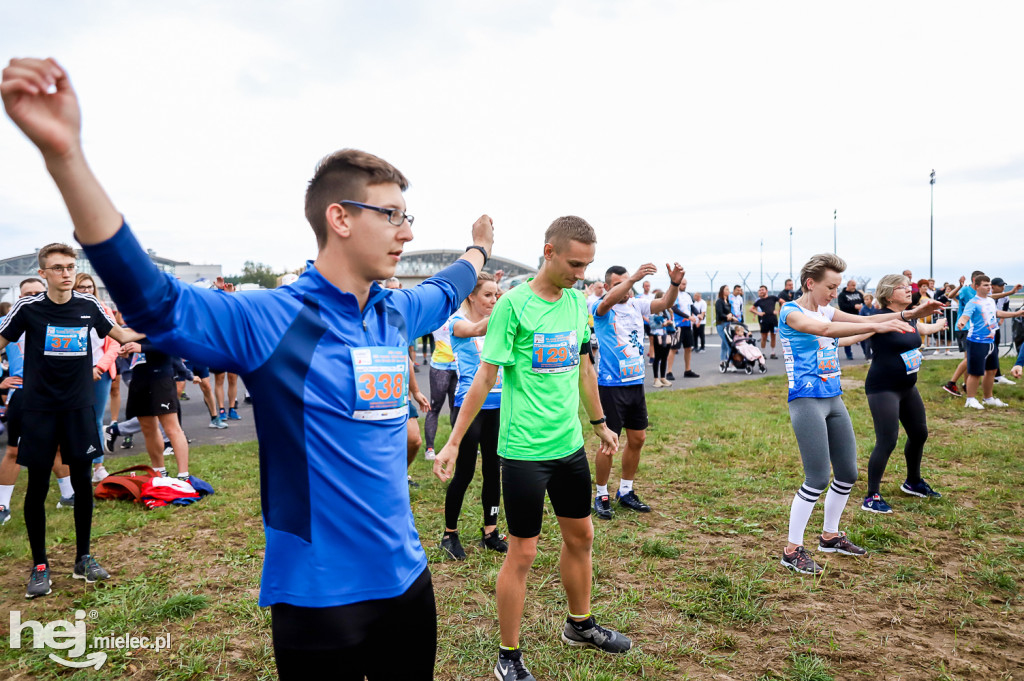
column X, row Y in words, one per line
column 381, row 386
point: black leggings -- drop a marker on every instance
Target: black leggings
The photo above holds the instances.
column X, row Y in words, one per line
column 483, row 432
column 442, row 386
column 35, row 508
column 661, row 358
column 698, row 336
column 889, row 409
column 388, row 638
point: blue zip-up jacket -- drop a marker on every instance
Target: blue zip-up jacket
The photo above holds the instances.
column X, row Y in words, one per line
column 334, row 491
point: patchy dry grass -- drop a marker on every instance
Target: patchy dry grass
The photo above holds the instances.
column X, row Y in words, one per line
column 696, row 583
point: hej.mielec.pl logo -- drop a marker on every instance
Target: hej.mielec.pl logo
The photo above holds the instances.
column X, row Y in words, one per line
column 72, row 637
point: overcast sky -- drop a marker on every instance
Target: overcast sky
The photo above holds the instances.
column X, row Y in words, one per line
column 682, row 131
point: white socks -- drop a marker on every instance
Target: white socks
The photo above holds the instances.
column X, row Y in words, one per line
column 162, row 471
column 625, row 487
column 835, row 502
column 800, row 512
column 5, row 495
column 66, row 490
column 602, row 490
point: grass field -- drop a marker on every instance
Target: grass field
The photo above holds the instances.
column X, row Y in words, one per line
column 696, row 583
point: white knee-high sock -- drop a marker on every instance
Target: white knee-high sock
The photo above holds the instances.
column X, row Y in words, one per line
column 800, row 512
column 6, row 491
column 835, row 502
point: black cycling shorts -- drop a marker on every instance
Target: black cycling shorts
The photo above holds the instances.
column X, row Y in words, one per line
column 72, row 430
column 625, row 406
column 768, row 326
column 151, row 397
column 981, row 357
column 14, row 413
column 684, row 338
column 523, row 483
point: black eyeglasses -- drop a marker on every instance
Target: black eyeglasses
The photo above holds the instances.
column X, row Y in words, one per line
column 395, row 216
column 57, row 269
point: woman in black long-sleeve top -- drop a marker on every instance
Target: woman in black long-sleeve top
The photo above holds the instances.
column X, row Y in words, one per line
column 723, row 315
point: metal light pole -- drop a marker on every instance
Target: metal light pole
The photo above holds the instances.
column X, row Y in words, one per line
column 834, row 219
column 931, row 229
column 790, row 252
column 762, row 261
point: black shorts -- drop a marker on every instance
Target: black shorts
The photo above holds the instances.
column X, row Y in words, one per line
column 981, row 357
column 217, row 372
column 523, row 483
column 624, row 406
column 72, row 430
column 151, row 397
column 14, row 414
column 768, row 326
column 358, row 640
column 684, row 338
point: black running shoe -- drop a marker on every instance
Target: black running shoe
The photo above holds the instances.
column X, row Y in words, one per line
column 800, row 561
column 589, row 634
column 950, row 387
column 603, row 507
column 38, row 582
column 127, row 443
column 493, row 541
column 632, row 502
column 510, row 667
column 89, row 570
column 110, row 434
column 452, row 546
column 690, row 374
column 5, row 515
column 840, row 544
column 669, row 376
column 919, row 489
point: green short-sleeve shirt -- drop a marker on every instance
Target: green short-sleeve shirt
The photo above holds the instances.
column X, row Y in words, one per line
column 538, row 342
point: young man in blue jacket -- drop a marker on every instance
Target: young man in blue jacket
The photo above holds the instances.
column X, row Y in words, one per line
column 325, row 360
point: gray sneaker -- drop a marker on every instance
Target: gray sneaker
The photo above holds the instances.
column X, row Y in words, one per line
column 5, row 515
column 511, row 668
column 66, row 502
column 594, row 636
column 89, row 570
column 38, row 582
column 800, row 561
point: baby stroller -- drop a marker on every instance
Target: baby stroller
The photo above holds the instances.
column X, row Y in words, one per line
column 743, row 354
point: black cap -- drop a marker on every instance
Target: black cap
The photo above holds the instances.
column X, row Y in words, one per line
column 998, row 281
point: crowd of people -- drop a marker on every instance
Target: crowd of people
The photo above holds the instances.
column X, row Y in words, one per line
column 329, row 357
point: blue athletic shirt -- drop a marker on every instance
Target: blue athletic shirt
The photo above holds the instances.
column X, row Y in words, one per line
column 620, row 335
column 981, row 313
column 812, row 362
column 965, row 296
column 330, row 400
column 467, row 362
column 16, row 361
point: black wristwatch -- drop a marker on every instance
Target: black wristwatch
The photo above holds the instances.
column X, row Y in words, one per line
column 675, row 283
column 482, row 250
column 599, row 421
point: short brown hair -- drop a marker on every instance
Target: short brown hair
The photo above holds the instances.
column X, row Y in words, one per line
column 55, row 249
column 345, row 175
column 31, row 280
column 816, row 267
column 981, row 279
column 569, row 228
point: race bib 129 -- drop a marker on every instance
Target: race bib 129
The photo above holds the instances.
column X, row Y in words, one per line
column 381, row 377
column 67, row 341
column 555, row 353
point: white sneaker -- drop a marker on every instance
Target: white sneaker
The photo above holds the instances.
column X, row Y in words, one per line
column 99, row 474
column 1004, row 380
column 973, row 403
column 429, row 455
column 994, row 402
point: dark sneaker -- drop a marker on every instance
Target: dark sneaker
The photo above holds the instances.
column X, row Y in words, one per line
column 632, row 502
column 510, row 667
column 89, row 570
column 5, row 515
column 690, row 374
column 233, row 414
column 110, row 434
column 669, row 377
column 413, row 484
column 589, row 634
column 840, row 544
column 919, row 489
column 453, row 547
column 603, row 507
column 950, row 387
column 800, row 561
column 184, row 397
column 773, row 356
column 127, row 443
column 38, row 582
column 66, row 502
column 493, row 541
column 876, row 504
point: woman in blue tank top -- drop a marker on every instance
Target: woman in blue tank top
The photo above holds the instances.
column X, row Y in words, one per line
column 810, row 329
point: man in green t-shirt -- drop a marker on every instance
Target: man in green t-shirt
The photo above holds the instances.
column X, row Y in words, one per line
column 539, row 332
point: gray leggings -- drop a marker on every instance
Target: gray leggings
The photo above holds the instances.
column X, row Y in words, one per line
column 825, row 435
